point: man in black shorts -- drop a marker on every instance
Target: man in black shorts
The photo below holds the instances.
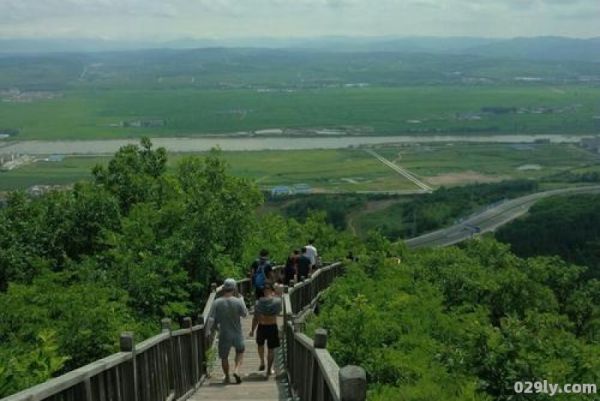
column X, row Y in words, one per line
column 266, row 310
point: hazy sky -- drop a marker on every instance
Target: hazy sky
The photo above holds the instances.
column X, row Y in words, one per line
column 169, row 19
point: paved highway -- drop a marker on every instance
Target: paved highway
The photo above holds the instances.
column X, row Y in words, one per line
column 490, row 219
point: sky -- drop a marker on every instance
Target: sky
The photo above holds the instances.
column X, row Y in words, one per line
column 227, row 19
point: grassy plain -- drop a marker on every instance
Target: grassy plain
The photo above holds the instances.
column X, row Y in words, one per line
column 323, row 170
column 68, row 171
column 331, row 170
column 456, row 163
column 353, row 169
column 86, row 113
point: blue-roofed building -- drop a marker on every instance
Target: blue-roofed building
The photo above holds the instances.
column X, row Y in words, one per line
column 281, row 190
column 55, row 158
column 302, row 189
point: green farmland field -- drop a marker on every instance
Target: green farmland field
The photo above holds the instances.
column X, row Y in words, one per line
column 337, row 170
column 354, row 170
column 86, row 113
column 66, row 172
column 457, row 164
column 323, row 170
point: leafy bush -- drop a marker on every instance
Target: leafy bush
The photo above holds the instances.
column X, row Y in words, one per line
column 456, row 324
column 565, row 226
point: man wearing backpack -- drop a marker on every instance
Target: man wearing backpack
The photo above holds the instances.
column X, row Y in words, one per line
column 261, row 273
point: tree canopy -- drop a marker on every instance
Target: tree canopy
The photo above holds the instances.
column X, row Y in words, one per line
column 463, row 324
column 138, row 243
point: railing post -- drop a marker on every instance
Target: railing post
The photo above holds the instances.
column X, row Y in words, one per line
column 202, row 351
column 187, row 324
column 166, row 328
column 353, row 383
column 166, row 325
column 320, row 340
column 315, row 384
column 88, row 389
column 292, row 285
column 127, row 344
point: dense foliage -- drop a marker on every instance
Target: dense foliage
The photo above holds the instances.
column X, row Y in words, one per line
column 584, row 174
column 565, row 226
column 135, row 245
column 440, row 208
column 337, row 208
column 138, row 243
column 463, row 324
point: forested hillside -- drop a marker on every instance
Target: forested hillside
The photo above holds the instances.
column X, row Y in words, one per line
column 136, row 244
column 441, row 208
column 463, row 324
column 139, row 243
column 565, row 226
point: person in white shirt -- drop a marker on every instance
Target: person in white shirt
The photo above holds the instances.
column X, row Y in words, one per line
column 312, row 254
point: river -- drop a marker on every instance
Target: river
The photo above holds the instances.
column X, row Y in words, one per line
column 200, row 144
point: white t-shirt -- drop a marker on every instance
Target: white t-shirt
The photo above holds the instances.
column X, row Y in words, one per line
column 312, row 254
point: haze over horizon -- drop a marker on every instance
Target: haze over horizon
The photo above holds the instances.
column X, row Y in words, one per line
column 164, row 20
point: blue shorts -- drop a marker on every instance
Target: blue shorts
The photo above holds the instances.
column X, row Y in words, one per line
column 226, row 342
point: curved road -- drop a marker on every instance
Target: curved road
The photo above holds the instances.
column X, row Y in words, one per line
column 490, row 219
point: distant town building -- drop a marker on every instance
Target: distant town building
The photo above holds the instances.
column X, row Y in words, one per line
column 8, row 132
column 542, row 141
column 153, row 123
column 522, row 146
column 14, row 160
column 591, row 144
column 281, row 190
column 39, row 190
column 302, row 189
column 55, row 158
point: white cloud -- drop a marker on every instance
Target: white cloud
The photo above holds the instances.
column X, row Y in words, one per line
column 239, row 18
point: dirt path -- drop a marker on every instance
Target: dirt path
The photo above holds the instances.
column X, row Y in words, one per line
column 403, row 172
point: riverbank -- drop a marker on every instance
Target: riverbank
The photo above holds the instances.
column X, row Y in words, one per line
column 202, row 144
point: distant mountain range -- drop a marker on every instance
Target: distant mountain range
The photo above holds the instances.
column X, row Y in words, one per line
column 534, row 48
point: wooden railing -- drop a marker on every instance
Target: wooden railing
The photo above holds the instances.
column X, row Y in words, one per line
column 312, row 373
column 172, row 365
column 167, row 367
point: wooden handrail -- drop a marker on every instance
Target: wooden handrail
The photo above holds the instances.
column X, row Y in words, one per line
column 173, row 358
column 171, row 365
column 312, row 372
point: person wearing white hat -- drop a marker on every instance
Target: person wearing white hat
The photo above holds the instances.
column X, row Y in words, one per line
column 227, row 312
